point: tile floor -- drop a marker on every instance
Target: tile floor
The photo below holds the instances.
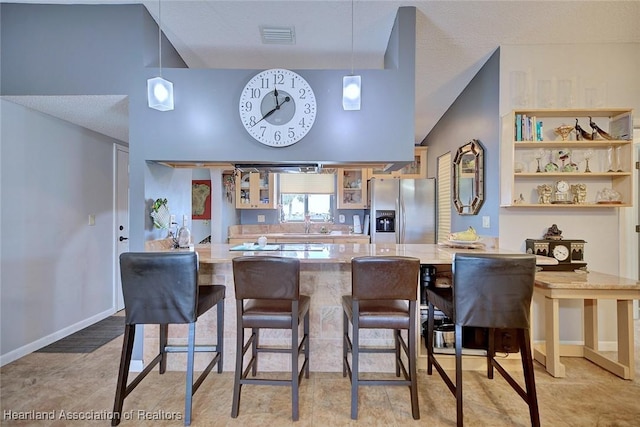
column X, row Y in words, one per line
column 64, row 386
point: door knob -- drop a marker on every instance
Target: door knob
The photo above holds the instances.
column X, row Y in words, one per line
column 123, row 238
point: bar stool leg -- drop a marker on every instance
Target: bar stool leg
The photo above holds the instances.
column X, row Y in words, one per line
column 491, row 352
column 306, row 344
column 396, row 340
column 355, row 356
column 530, row 384
column 430, row 326
column 164, row 339
column 188, row 395
column 415, row 408
column 123, row 373
column 220, row 336
column 255, row 333
column 345, row 342
column 459, row 412
column 237, row 387
column 295, row 384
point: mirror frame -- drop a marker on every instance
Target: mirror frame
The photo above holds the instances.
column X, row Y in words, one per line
column 475, row 148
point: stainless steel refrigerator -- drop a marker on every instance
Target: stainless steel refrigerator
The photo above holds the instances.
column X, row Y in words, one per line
column 402, row 210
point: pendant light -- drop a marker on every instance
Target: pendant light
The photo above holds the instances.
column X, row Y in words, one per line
column 351, row 84
column 159, row 90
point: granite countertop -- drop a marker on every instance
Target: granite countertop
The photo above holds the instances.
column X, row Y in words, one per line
column 583, row 280
column 343, row 253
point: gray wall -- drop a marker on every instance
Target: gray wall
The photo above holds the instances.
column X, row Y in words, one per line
column 112, row 49
column 78, row 49
column 56, row 272
column 473, row 115
column 205, row 124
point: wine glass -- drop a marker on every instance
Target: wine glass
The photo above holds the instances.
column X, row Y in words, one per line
column 610, row 159
column 619, row 159
column 587, row 156
column 539, row 154
column 551, row 166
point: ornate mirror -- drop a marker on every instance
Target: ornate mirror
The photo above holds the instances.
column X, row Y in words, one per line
column 468, row 178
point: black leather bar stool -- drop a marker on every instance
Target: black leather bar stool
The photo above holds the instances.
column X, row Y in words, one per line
column 268, row 297
column 162, row 288
column 383, row 296
column 490, row 291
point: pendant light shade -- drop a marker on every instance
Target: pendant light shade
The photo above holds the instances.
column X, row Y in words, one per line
column 160, row 94
column 351, row 84
column 351, row 93
column 159, row 90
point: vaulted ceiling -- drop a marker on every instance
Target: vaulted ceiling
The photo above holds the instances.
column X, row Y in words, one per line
column 454, row 39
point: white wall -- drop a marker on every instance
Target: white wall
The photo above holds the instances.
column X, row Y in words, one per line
column 609, row 73
column 57, row 271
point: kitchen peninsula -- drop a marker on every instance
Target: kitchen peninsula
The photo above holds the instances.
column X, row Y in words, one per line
column 325, row 276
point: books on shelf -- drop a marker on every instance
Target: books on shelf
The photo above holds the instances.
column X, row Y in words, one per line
column 528, row 128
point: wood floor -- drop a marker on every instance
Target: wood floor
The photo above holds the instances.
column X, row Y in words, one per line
column 64, row 386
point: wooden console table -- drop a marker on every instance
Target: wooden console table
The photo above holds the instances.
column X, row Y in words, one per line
column 589, row 287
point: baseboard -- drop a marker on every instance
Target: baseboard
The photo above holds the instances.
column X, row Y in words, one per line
column 51, row 338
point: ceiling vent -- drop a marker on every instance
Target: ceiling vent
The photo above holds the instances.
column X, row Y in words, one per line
column 278, row 35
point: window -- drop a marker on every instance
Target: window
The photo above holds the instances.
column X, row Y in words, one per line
column 306, row 193
column 294, row 206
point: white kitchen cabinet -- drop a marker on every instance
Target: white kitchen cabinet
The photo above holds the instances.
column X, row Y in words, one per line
column 414, row 170
column 352, row 188
column 256, row 190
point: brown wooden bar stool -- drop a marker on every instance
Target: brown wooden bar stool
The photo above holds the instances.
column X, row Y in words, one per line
column 268, row 297
column 162, row 288
column 490, row 291
column 384, row 294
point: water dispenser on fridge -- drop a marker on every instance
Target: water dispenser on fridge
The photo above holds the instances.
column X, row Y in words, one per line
column 385, row 221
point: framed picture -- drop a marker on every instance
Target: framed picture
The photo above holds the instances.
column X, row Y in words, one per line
column 201, row 199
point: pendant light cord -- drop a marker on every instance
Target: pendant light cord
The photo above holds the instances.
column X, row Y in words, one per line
column 160, row 36
column 351, row 37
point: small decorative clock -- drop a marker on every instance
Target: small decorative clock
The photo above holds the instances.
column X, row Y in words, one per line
column 277, row 107
column 569, row 253
column 561, row 194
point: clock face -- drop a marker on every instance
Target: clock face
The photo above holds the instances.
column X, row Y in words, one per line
column 560, row 252
column 562, row 186
column 277, row 107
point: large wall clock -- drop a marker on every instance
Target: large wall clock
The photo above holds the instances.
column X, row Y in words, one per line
column 277, row 107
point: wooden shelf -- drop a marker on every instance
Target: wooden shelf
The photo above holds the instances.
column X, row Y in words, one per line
column 520, row 189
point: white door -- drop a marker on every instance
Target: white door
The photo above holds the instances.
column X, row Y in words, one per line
column 122, row 219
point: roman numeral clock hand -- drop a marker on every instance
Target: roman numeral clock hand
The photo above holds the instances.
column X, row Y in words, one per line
column 277, row 107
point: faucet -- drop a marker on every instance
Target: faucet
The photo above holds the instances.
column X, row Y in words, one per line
column 307, row 223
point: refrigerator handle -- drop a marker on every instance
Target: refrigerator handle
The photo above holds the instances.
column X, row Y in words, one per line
column 403, row 228
column 398, row 222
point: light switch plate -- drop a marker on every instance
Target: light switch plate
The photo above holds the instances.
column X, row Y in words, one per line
column 260, row 218
column 486, row 222
column 341, row 219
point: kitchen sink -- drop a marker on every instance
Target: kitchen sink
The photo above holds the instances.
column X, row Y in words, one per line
column 301, row 247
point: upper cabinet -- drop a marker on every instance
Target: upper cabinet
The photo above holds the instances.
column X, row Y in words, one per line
column 352, row 188
column 255, row 190
column 568, row 158
column 416, row 169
